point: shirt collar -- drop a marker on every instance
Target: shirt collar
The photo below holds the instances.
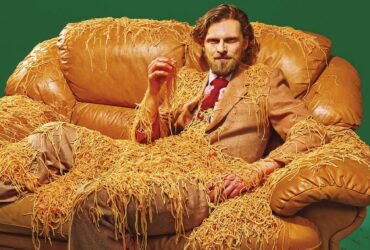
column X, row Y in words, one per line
column 213, row 76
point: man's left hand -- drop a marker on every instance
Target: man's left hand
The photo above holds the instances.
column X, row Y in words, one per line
column 232, row 187
column 235, row 185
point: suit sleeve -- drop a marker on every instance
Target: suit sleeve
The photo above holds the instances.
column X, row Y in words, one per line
column 291, row 120
column 151, row 124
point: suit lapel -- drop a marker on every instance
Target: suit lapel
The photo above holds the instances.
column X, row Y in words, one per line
column 235, row 90
column 195, row 101
column 187, row 113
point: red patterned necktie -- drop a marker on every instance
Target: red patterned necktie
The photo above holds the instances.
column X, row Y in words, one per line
column 212, row 98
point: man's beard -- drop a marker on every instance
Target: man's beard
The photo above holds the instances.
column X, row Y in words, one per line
column 221, row 68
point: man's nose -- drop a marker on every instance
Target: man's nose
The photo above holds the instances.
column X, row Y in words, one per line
column 221, row 48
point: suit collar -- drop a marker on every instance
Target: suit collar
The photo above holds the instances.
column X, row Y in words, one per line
column 212, row 76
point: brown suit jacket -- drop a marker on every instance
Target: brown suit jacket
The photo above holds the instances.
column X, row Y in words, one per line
column 256, row 100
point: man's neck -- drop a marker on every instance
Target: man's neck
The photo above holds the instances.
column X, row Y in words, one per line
column 213, row 76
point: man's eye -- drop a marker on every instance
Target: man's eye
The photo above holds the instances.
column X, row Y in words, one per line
column 231, row 40
column 213, row 41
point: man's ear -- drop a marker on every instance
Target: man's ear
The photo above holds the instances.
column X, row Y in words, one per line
column 246, row 42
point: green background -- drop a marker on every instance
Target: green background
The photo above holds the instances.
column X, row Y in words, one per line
column 24, row 23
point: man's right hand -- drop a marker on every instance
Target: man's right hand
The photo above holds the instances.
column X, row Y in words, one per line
column 160, row 70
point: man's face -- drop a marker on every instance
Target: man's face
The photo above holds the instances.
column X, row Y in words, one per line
column 224, row 46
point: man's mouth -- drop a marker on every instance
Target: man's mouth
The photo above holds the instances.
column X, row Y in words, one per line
column 222, row 58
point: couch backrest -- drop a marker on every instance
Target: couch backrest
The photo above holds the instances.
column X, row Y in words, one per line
column 105, row 61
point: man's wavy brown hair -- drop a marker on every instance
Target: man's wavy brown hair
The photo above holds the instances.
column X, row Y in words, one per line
column 224, row 12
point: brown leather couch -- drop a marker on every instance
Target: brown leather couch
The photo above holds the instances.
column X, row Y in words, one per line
column 95, row 73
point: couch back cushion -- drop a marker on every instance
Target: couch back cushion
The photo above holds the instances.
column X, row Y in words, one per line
column 301, row 56
column 335, row 98
column 105, row 61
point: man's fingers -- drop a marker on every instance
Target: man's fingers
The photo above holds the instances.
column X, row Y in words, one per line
column 163, row 61
column 161, row 66
column 227, row 191
column 237, row 191
column 232, row 187
column 226, row 184
column 158, row 73
column 167, row 60
column 235, row 188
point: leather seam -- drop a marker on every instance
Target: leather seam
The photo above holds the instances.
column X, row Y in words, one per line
column 315, row 188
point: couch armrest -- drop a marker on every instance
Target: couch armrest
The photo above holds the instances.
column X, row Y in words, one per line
column 335, row 221
column 20, row 115
column 344, row 181
column 39, row 77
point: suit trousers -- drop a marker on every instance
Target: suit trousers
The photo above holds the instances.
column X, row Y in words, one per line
column 56, row 157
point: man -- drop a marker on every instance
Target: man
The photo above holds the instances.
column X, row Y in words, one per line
column 225, row 36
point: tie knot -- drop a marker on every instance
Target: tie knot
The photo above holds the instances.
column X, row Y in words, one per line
column 220, row 83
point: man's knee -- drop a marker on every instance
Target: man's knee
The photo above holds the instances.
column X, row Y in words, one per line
column 163, row 220
column 197, row 208
column 81, row 217
column 96, row 210
column 54, row 143
column 53, row 132
column 92, row 225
